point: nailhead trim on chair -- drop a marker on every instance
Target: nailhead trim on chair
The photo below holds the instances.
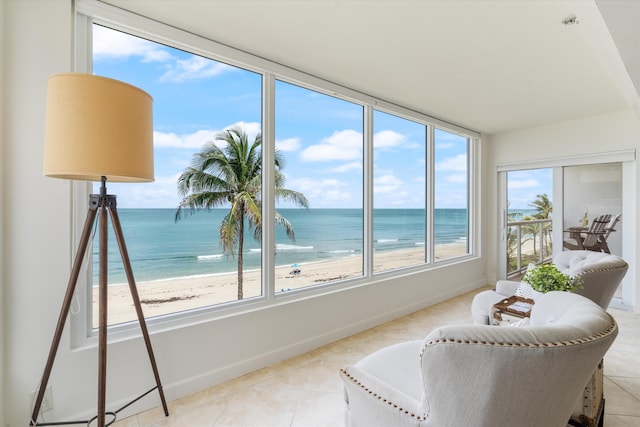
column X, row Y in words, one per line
column 612, row 326
column 598, row 270
column 388, row 402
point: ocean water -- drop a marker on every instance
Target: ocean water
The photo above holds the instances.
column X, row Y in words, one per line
column 160, row 248
column 519, row 214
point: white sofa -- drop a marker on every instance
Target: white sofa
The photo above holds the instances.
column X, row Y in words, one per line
column 480, row 375
column 601, row 275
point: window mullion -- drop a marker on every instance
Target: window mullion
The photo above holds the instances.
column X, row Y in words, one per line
column 268, row 186
column 368, row 190
column 430, row 195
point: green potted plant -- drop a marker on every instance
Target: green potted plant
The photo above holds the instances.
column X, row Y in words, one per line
column 546, row 277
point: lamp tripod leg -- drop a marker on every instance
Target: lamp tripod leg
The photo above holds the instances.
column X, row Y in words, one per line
column 64, row 310
column 115, row 220
column 103, row 294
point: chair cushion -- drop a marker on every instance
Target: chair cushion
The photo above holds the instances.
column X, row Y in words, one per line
column 577, row 262
column 564, row 308
column 481, row 304
column 398, row 366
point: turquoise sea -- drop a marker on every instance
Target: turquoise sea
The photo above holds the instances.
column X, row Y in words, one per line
column 160, row 248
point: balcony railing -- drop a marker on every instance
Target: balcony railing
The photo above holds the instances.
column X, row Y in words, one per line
column 528, row 242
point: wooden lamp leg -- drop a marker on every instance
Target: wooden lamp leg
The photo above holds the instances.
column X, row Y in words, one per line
column 115, row 220
column 64, row 310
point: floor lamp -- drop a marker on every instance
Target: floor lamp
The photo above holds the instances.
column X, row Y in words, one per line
column 98, row 129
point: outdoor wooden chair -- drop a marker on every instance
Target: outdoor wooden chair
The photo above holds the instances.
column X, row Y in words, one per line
column 591, row 239
column 611, row 227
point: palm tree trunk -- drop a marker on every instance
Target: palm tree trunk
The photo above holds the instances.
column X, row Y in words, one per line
column 240, row 259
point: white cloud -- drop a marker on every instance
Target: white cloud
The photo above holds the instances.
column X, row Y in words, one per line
column 444, row 145
column 335, row 197
column 386, row 184
column 196, row 67
column 306, row 185
column 198, row 138
column 329, row 192
column 251, row 128
column 110, row 44
column 388, row 139
column 390, row 191
column 457, row 163
column 387, row 179
column 347, row 167
column 289, row 144
column 189, row 141
column 525, row 183
column 400, row 199
column 162, row 193
column 458, row 178
column 341, row 145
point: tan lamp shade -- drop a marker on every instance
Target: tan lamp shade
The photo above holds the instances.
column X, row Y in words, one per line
column 97, row 127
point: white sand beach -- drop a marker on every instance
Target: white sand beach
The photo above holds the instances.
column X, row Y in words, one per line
column 174, row 295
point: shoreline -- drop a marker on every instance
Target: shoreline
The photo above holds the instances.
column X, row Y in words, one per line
column 458, row 247
column 171, row 295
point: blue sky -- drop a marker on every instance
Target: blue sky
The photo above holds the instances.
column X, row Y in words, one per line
column 525, row 185
column 320, row 136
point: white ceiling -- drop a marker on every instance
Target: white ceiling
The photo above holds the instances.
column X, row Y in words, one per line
column 491, row 66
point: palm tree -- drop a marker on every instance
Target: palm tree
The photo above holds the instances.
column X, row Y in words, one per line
column 233, row 175
column 544, row 208
column 531, row 229
column 542, row 205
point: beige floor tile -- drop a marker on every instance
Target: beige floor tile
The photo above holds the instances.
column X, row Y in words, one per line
column 324, row 377
column 630, row 385
column 260, row 407
column 619, row 401
column 621, row 421
column 200, row 416
column 306, row 390
column 287, row 378
column 320, row 409
column 153, row 415
column 127, row 422
column 621, row 364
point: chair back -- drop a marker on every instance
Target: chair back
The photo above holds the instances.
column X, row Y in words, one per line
column 612, row 225
column 601, row 273
column 596, row 231
column 528, row 376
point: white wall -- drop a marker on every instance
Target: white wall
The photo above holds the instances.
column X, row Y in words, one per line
column 37, row 258
column 599, row 134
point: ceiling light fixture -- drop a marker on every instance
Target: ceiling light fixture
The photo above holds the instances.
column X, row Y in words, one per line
column 571, row 20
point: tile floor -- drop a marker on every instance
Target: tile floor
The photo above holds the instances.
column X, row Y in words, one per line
column 306, row 391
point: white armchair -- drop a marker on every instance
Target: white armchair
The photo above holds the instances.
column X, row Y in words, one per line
column 480, row 375
column 601, row 275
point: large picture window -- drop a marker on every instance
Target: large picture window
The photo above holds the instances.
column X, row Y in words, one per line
column 399, row 183
column 320, row 138
column 178, row 261
column 356, row 190
column 451, row 195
